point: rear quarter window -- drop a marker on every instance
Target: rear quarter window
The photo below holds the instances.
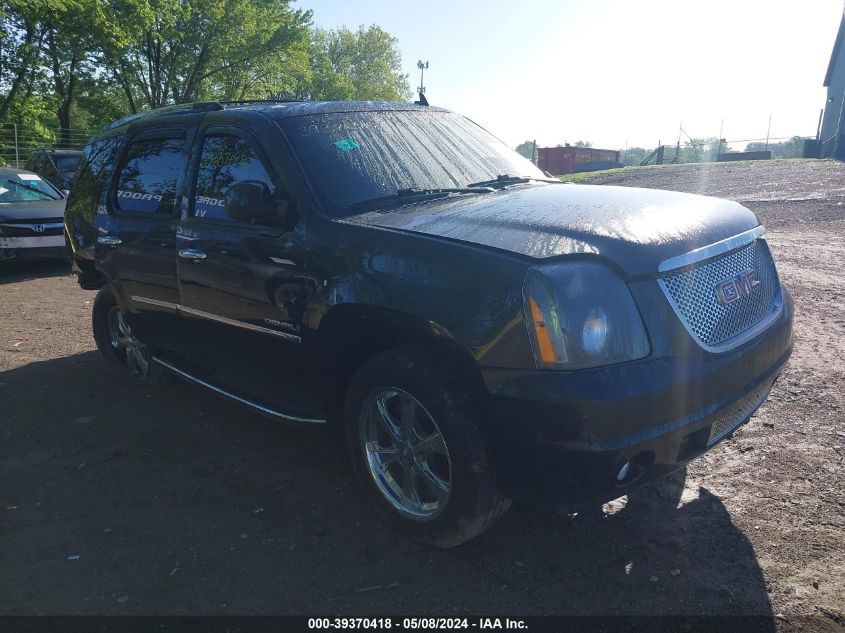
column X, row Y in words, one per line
column 88, row 189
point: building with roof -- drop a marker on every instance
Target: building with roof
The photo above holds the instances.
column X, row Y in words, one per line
column 832, row 135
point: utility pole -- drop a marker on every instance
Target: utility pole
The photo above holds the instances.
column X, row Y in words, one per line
column 768, row 132
column 423, row 66
column 678, row 146
column 721, row 131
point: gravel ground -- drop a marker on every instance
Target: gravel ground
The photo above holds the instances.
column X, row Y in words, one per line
column 117, row 499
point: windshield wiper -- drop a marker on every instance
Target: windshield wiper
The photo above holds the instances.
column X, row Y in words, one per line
column 503, row 180
column 414, row 194
column 35, row 189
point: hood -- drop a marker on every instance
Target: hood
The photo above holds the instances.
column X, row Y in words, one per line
column 635, row 228
column 32, row 210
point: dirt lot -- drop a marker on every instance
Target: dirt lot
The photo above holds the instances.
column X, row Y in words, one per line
column 124, row 500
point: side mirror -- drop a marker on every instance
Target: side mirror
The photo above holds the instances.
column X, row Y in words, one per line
column 247, row 200
column 251, row 201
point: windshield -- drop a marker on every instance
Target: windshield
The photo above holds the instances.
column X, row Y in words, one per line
column 66, row 164
column 350, row 157
column 25, row 187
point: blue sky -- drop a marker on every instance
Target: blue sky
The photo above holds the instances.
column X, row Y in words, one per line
column 612, row 71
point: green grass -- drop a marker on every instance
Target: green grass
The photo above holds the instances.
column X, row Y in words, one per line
column 585, row 175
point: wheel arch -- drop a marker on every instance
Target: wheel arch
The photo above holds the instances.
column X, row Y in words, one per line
column 351, row 334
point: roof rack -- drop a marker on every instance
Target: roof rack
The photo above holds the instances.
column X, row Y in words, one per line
column 248, row 101
column 181, row 108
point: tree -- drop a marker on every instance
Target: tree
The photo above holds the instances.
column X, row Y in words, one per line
column 55, row 42
column 793, row 148
column 70, row 35
column 180, row 52
column 83, row 63
column 365, row 64
column 527, row 149
column 634, row 155
column 20, row 42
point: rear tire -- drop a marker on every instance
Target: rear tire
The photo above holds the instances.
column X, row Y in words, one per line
column 118, row 345
column 413, row 436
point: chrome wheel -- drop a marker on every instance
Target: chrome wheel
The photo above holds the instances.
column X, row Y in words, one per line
column 406, row 453
column 126, row 345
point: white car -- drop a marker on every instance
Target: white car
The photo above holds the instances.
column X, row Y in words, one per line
column 31, row 217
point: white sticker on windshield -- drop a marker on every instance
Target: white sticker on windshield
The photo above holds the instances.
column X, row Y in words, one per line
column 29, row 177
column 3, row 190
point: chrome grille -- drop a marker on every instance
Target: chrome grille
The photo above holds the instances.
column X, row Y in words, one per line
column 717, row 326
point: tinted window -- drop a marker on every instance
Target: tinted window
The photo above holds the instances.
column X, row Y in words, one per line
column 225, row 161
column 354, row 156
column 66, row 163
column 147, row 181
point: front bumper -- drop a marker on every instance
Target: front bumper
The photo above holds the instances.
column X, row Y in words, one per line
column 52, row 246
column 562, row 437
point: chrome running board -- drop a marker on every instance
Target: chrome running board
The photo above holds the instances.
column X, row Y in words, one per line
column 231, row 396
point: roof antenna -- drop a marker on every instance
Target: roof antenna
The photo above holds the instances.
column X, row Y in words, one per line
column 423, row 66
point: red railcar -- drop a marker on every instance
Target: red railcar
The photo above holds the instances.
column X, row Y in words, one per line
column 568, row 159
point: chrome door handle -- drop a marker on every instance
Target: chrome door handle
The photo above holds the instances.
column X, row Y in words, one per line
column 192, row 254
column 109, row 240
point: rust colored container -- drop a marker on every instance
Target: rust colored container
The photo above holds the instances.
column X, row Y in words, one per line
column 564, row 160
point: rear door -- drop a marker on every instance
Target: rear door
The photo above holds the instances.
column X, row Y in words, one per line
column 136, row 241
column 243, row 286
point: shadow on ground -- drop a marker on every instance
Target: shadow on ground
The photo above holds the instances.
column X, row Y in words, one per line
column 16, row 271
column 119, row 499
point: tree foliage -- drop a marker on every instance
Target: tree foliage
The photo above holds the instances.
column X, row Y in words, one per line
column 82, row 63
column 362, row 64
column 792, row 148
column 178, row 52
column 527, row 149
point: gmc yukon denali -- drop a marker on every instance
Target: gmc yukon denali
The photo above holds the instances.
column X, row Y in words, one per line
column 478, row 331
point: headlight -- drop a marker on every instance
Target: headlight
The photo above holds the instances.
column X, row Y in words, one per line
column 581, row 314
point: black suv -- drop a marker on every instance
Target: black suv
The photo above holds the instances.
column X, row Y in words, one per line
column 479, row 331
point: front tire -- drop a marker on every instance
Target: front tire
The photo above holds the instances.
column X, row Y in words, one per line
column 413, row 436
column 117, row 343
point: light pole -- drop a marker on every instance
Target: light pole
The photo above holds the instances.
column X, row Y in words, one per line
column 423, row 66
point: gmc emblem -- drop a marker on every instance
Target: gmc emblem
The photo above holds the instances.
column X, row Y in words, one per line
column 736, row 288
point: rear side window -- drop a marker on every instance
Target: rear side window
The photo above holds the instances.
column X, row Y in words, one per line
column 66, row 164
column 147, row 181
column 225, row 160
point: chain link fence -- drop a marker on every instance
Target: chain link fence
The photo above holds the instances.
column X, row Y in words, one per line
column 18, row 141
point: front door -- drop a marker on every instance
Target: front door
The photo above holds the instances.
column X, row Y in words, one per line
column 243, row 285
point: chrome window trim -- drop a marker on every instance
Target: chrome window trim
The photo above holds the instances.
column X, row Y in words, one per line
column 706, row 252
column 230, row 395
column 183, row 309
